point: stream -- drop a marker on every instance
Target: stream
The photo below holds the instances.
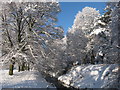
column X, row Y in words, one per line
column 59, row 85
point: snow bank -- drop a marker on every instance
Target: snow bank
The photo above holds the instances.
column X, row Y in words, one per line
column 90, row 76
column 23, row 79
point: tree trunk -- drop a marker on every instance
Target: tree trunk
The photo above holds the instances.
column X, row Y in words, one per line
column 92, row 58
column 26, row 67
column 23, row 67
column 19, row 68
column 11, row 67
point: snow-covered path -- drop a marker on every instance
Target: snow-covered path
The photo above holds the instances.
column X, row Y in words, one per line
column 24, row 79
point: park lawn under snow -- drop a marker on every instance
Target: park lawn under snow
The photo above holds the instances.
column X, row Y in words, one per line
column 23, row 79
column 90, row 76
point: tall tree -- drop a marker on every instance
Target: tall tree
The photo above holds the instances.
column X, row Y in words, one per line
column 116, row 34
column 100, row 37
column 77, row 36
column 27, row 25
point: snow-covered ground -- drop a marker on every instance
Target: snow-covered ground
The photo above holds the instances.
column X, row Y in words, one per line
column 90, row 76
column 23, row 79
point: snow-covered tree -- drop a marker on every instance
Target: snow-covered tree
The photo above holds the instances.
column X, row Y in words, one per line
column 26, row 26
column 98, row 44
column 114, row 52
column 116, row 30
column 77, row 36
column 112, row 55
column 54, row 60
column 99, row 39
column 85, row 19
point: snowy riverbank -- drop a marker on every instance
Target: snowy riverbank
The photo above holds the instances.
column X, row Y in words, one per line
column 84, row 76
column 90, row 76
